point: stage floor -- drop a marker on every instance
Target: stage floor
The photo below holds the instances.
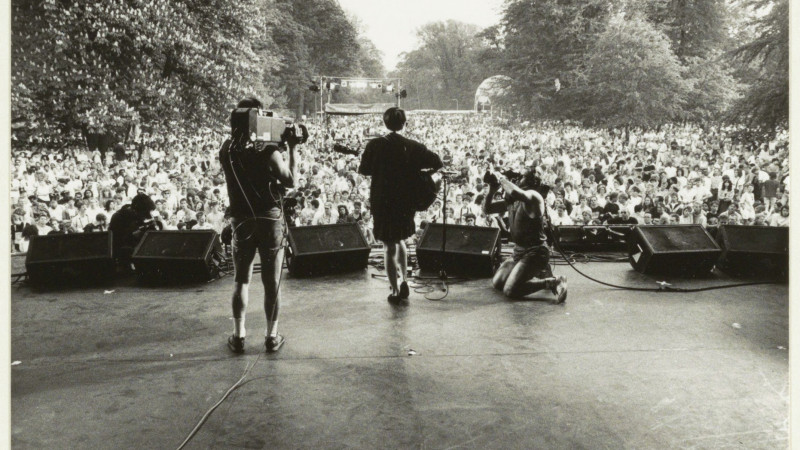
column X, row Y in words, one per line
column 138, row 367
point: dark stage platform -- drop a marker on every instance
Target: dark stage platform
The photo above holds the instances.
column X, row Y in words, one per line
column 138, row 367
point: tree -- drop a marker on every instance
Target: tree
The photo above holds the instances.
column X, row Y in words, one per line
column 443, row 72
column 714, row 88
column 545, row 41
column 699, row 32
column 631, row 78
column 370, row 59
column 102, row 66
column 694, row 27
column 765, row 103
column 318, row 39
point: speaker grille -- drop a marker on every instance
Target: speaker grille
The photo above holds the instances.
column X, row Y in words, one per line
column 327, row 238
column 69, row 247
column 676, row 238
column 460, row 238
column 757, row 239
column 191, row 244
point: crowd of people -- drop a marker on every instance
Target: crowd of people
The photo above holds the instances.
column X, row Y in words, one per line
column 676, row 175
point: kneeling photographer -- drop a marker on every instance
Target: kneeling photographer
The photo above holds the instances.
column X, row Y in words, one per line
column 518, row 275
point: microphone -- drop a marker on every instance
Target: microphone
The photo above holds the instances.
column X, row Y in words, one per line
column 450, row 172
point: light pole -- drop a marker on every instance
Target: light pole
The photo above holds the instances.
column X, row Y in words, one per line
column 456, row 102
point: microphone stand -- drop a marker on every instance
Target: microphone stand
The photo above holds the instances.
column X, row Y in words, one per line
column 442, row 272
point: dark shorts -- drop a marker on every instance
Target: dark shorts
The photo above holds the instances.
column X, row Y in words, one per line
column 537, row 257
column 263, row 234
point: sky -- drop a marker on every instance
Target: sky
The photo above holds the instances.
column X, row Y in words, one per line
column 392, row 25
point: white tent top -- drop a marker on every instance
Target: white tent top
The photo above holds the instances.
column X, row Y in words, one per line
column 491, row 88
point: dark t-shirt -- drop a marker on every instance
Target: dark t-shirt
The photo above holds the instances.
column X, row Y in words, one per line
column 119, row 153
column 771, row 188
column 611, row 208
column 599, row 176
column 389, row 160
column 123, row 224
column 621, row 221
column 647, row 172
column 248, row 178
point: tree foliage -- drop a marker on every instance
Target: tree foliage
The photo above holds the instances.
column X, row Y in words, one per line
column 539, row 42
column 714, row 88
column 765, row 103
column 694, row 27
column 631, row 78
column 548, row 40
column 444, row 71
column 102, row 66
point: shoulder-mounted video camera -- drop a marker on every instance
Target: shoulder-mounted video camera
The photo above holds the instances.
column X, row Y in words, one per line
column 252, row 125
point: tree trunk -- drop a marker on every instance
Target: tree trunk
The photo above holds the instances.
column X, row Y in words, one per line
column 301, row 105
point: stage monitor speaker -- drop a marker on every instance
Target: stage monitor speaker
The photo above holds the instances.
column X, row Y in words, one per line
column 78, row 258
column 322, row 249
column 754, row 251
column 593, row 238
column 469, row 251
column 676, row 250
column 178, row 256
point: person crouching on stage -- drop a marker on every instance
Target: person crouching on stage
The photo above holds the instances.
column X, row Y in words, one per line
column 516, row 277
column 389, row 159
column 257, row 225
column 129, row 224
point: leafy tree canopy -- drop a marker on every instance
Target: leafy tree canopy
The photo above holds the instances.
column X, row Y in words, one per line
column 103, row 66
column 631, row 78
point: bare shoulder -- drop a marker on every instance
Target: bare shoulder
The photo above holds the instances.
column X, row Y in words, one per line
column 534, row 206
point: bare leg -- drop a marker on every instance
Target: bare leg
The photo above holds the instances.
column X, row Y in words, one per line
column 521, row 281
column 500, row 277
column 239, row 300
column 271, row 267
column 243, row 260
column 390, row 257
column 402, row 259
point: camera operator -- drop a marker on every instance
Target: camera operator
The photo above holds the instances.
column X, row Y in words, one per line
column 129, row 224
column 391, row 160
column 251, row 176
column 516, row 277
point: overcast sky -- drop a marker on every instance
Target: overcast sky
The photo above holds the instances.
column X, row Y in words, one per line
column 392, row 25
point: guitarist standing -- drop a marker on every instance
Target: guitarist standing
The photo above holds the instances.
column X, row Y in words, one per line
column 394, row 162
